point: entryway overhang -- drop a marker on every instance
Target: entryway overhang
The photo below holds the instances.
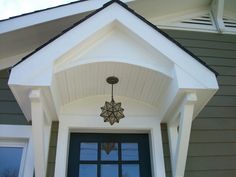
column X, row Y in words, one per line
column 157, row 77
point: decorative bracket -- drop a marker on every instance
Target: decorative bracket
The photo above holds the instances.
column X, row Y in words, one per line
column 179, row 129
column 41, row 128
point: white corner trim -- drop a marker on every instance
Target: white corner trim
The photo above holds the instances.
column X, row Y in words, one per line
column 179, row 129
column 70, row 124
column 40, row 132
column 19, row 136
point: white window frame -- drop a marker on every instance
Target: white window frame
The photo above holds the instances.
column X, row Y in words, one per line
column 19, row 136
column 17, row 143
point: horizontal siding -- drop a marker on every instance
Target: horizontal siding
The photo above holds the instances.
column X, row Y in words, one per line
column 52, row 150
column 226, row 90
column 10, row 112
column 203, row 52
column 217, row 61
column 212, row 148
column 222, row 112
column 201, row 37
column 204, row 43
column 212, row 173
column 226, row 80
column 224, row 101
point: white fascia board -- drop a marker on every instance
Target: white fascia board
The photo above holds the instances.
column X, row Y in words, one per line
column 42, row 61
column 194, row 83
column 50, row 14
column 168, row 48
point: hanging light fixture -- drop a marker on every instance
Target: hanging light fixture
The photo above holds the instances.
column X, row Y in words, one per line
column 112, row 112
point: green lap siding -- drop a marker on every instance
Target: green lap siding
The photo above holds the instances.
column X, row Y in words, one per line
column 52, row 150
column 212, row 149
column 10, row 112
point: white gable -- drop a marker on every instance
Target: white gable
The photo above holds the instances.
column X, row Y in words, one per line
column 113, row 41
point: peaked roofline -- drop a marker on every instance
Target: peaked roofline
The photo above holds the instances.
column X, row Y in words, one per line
column 131, row 11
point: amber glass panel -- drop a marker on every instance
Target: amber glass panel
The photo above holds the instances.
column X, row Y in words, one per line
column 109, row 151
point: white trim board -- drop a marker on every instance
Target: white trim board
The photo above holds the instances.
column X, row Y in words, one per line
column 20, row 135
column 70, row 124
column 18, row 144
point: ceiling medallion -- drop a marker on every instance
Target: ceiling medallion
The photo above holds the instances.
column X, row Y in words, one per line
column 112, row 112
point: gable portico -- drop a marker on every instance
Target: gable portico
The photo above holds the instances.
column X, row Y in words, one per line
column 156, row 75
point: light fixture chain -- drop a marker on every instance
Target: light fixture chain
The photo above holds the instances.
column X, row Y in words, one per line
column 112, row 92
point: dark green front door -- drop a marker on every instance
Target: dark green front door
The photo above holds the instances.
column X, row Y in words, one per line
column 109, row 155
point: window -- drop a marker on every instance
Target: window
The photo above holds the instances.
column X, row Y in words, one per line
column 105, row 155
column 12, row 156
column 16, row 156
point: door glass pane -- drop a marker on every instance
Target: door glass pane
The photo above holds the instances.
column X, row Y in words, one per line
column 88, row 151
column 10, row 159
column 109, row 151
column 109, row 170
column 130, row 170
column 129, row 151
column 87, row 170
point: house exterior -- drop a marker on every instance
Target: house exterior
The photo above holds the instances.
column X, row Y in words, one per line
column 175, row 63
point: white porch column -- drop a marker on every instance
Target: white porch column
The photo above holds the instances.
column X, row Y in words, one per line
column 40, row 133
column 179, row 130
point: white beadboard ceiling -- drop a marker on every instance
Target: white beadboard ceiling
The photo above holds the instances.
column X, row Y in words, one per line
column 90, row 80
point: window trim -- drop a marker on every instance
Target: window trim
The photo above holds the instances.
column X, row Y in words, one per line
column 140, row 139
column 19, row 136
column 91, row 124
column 17, row 143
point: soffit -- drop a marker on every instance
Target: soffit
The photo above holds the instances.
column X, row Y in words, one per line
column 27, row 39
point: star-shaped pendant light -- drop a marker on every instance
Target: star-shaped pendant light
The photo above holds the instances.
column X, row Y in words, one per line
column 112, row 112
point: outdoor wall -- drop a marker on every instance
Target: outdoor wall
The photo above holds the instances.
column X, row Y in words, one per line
column 212, row 150
column 10, row 112
column 52, row 150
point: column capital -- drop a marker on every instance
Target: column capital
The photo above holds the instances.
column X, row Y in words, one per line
column 35, row 95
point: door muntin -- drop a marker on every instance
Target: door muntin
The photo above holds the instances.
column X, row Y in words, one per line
column 109, row 155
